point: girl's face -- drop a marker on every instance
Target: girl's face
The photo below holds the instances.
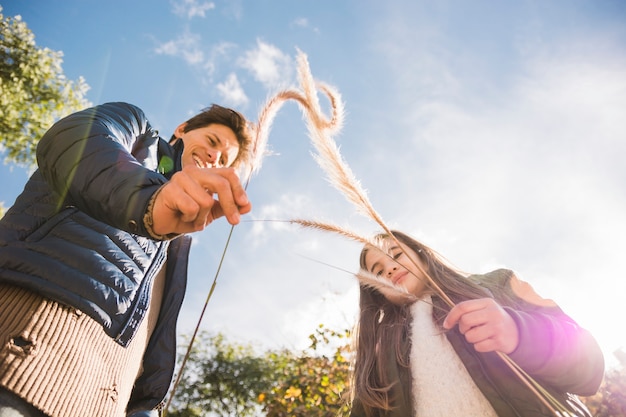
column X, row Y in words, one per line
column 397, row 265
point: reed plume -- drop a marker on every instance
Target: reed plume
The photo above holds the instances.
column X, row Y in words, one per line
column 364, row 277
column 392, row 291
column 327, row 227
column 309, row 105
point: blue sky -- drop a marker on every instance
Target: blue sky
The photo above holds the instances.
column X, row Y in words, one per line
column 493, row 131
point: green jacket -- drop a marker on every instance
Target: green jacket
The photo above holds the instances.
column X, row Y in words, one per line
column 564, row 358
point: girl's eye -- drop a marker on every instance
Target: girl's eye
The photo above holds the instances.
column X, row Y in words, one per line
column 397, row 255
column 379, row 273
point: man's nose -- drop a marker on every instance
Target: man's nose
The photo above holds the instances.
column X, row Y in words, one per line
column 214, row 157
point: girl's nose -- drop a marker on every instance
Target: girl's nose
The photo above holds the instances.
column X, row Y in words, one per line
column 391, row 270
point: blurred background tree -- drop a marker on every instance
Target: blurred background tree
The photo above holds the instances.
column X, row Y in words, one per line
column 610, row 401
column 223, row 378
column 34, row 92
column 229, row 379
column 220, row 379
column 315, row 383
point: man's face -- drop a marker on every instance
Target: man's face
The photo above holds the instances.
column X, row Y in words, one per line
column 212, row 146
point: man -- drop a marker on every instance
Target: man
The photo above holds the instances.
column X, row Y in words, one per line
column 93, row 258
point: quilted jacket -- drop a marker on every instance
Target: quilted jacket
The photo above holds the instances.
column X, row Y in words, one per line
column 76, row 234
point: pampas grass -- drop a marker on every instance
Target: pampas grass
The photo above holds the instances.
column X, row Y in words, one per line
column 309, row 105
column 365, row 278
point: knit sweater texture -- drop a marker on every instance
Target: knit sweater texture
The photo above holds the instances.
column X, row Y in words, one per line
column 70, row 370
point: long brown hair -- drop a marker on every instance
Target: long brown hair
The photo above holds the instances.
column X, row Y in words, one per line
column 382, row 333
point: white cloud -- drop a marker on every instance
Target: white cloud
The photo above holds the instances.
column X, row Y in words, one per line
column 219, row 53
column 531, row 178
column 233, row 8
column 186, row 46
column 191, row 8
column 269, row 65
column 301, row 22
column 196, row 54
column 274, row 216
column 336, row 310
column 542, row 161
column 231, row 91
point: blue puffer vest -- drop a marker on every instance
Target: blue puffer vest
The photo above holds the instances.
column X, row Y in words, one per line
column 76, row 233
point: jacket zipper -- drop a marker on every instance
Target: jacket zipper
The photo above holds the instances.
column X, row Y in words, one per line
column 140, row 306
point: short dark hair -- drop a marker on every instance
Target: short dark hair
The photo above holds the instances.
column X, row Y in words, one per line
column 217, row 114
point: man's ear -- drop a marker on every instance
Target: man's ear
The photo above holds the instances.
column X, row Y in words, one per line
column 180, row 130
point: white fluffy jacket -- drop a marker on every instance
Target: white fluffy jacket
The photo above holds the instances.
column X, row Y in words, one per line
column 441, row 384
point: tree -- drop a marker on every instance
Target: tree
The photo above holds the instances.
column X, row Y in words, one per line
column 220, row 379
column 610, row 401
column 34, row 92
column 229, row 379
column 312, row 384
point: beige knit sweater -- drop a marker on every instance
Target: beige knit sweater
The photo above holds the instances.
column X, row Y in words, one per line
column 61, row 361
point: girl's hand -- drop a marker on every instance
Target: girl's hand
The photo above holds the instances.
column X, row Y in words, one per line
column 485, row 324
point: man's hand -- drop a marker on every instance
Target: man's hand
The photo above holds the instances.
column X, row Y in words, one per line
column 485, row 324
column 187, row 203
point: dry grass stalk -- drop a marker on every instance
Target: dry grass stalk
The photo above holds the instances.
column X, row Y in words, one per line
column 309, row 105
column 328, row 156
column 365, row 277
column 327, row 227
column 341, row 177
column 384, row 286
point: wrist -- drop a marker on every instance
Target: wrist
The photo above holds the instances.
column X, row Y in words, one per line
column 148, row 218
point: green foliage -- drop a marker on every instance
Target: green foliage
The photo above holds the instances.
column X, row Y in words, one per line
column 220, row 379
column 34, row 92
column 312, row 384
column 229, row 379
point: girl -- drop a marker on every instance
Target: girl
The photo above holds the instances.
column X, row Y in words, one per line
column 417, row 356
